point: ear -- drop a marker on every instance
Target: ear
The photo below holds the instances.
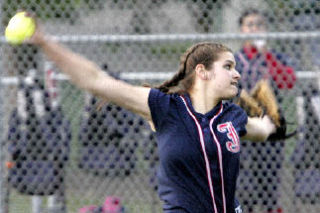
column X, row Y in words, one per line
column 201, row 72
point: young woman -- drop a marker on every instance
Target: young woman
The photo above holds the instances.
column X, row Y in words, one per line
column 197, row 133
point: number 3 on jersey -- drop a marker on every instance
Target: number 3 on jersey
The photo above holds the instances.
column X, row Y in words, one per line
column 234, row 144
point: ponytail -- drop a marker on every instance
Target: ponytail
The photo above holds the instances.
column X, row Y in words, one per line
column 202, row 53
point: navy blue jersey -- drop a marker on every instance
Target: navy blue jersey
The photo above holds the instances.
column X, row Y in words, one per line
column 199, row 153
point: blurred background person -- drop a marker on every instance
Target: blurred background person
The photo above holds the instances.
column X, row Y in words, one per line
column 255, row 60
column 38, row 143
column 108, row 140
column 108, row 143
column 261, row 163
column 306, row 155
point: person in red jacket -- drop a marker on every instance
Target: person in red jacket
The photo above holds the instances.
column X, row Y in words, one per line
column 256, row 61
column 259, row 177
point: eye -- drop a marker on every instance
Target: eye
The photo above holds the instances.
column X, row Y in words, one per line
column 228, row 66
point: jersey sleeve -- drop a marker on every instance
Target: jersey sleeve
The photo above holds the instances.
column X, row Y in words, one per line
column 240, row 120
column 159, row 106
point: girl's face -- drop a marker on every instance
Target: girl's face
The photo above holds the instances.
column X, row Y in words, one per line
column 224, row 77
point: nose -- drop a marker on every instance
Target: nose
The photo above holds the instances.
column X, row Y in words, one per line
column 236, row 74
column 256, row 27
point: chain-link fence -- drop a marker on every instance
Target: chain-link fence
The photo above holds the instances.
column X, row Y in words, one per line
column 62, row 150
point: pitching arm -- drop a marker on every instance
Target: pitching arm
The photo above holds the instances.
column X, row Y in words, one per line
column 88, row 76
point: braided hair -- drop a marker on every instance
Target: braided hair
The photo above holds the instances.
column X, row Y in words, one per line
column 201, row 53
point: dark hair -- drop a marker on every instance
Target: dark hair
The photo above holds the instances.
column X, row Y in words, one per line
column 248, row 12
column 201, row 53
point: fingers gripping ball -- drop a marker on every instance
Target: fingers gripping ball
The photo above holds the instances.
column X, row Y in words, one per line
column 20, row 28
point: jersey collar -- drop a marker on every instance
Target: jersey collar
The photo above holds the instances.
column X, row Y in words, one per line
column 209, row 114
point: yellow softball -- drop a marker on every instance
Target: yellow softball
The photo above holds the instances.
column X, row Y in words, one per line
column 20, row 28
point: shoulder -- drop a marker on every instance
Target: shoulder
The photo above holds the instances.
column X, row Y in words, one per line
column 234, row 111
column 230, row 106
column 157, row 92
column 156, row 95
column 160, row 105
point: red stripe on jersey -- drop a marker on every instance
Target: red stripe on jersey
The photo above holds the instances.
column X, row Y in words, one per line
column 202, row 143
column 219, row 157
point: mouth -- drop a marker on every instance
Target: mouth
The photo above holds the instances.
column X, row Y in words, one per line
column 234, row 84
